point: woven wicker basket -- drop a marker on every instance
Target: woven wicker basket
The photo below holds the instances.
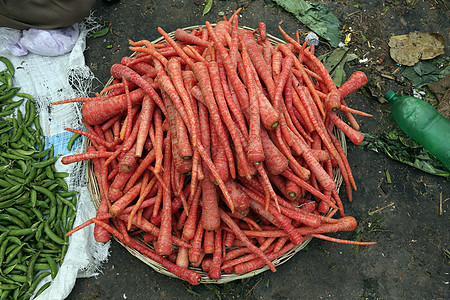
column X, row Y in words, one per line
column 93, row 187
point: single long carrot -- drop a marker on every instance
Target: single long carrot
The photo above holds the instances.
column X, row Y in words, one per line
column 68, row 159
column 255, row 152
column 164, row 245
column 148, row 106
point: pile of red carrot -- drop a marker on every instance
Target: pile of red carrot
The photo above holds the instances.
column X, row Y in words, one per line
column 218, row 147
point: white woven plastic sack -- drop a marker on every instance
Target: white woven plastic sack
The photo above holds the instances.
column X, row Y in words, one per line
column 50, row 79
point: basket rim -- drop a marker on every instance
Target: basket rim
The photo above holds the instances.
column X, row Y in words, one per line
column 93, row 188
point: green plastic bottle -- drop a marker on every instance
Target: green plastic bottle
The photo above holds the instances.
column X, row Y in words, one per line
column 423, row 123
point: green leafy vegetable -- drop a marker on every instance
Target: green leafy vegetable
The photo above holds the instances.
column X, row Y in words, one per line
column 317, row 17
column 405, row 150
column 208, row 6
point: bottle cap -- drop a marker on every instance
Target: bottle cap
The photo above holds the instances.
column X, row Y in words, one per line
column 389, row 95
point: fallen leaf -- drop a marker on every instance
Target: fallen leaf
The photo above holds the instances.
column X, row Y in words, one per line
column 208, row 6
column 101, row 32
column 405, row 150
column 317, row 17
column 426, row 72
column 408, row 49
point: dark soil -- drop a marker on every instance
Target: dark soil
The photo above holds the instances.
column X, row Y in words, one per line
column 411, row 257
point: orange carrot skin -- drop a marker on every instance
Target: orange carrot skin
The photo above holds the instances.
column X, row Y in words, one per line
column 214, row 270
column 210, row 218
column 100, row 234
column 126, row 199
column 356, row 81
column 121, row 71
column 258, row 60
column 118, row 184
column 275, row 162
column 97, row 112
column 258, row 263
column 85, row 156
column 188, row 275
column 240, row 199
column 353, row 135
column 164, row 245
column 229, row 221
column 183, row 36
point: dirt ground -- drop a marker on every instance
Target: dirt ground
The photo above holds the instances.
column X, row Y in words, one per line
column 411, row 258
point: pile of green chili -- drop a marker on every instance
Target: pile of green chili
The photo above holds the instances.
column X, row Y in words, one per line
column 36, row 206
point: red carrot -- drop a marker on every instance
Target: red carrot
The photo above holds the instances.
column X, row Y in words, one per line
column 353, row 135
column 149, row 49
column 287, row 65
column 174, row 71
column 184, row 145
column 356, row 81
column 163, row 245
column 215, row 271
column 97, row 112
column 275, row 161
column 235, row 81
column 121, row 71
column 196, row 245
column 177, row 48
column 128, row 162
column 258, row 61
column 68, row 159
column 210, row 218
column 239, row 234
column 148, row 105
column 126, row 199
column 255, row 153
column 148, row 159
column 188, row 275
column 232, row 104
column 226, row 116
column 183, row 36
column 191, row 222
column 240, row 200
column 201, row 73
column 158, row 140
